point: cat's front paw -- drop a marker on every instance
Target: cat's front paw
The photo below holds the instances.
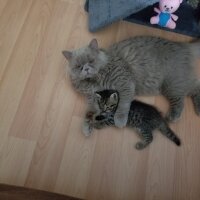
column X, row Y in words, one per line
column 120, row 120
column 89, row 115
column 87, row 129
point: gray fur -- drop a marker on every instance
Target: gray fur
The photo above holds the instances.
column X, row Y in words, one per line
column 140, row 66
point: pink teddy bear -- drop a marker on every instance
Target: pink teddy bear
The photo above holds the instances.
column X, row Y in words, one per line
column 165, row 18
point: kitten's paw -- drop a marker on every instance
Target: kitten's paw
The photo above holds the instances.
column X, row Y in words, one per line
column 139, row 146
column 120, row 120
column 87, row 129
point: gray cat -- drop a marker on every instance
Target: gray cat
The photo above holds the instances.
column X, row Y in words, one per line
column 138, row 66
column 142, row 117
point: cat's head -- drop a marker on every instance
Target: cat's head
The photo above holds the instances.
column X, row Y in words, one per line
column 107, row 100
column 87, row 61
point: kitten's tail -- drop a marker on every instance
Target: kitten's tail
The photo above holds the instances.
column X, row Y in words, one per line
column 165, row 130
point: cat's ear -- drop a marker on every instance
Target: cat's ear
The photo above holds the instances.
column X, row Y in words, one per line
column 94, row 45
column 97, row 96
column 114, row 97
column 67, row 54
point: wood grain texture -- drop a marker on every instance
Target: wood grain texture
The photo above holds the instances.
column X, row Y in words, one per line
column 75, row 171
column 11, row 21
column 41, row 143
column 16, row 155
column 20, row 64
column 2, row 5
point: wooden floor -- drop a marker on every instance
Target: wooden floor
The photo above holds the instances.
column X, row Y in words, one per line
column 41, row 145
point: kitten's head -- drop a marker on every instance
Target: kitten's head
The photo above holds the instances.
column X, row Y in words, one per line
column 107, row 100
column 86, row 62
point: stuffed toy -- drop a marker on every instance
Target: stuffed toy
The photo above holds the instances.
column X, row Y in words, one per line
column 165, row 17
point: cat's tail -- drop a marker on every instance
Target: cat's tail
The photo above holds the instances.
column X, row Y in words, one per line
column 195, row 48
column 195, row 93
column 165, row 130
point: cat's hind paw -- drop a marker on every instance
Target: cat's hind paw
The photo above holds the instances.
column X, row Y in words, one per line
column 172, row 117
column 196, row 103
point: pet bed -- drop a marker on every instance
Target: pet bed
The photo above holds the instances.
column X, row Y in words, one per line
column 105, row 12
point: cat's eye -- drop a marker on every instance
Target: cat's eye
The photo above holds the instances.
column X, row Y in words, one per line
column 171, row 7
column 91, row 61
column 165, row 6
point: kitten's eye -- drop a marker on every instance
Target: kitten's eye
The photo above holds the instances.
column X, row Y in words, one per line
column 165, row 6
column 171, row 7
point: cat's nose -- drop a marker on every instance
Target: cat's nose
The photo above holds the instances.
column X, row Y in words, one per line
column 87, row 69
column 167, row 9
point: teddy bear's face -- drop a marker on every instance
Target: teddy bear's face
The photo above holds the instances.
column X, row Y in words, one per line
column 169, row 6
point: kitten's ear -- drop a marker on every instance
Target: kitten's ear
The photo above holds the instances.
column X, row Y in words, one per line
column 94, row 45
column 114, row 97
column 97, row 96
column 67, row 54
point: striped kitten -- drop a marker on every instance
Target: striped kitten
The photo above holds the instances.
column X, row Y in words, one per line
column 143, row 117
